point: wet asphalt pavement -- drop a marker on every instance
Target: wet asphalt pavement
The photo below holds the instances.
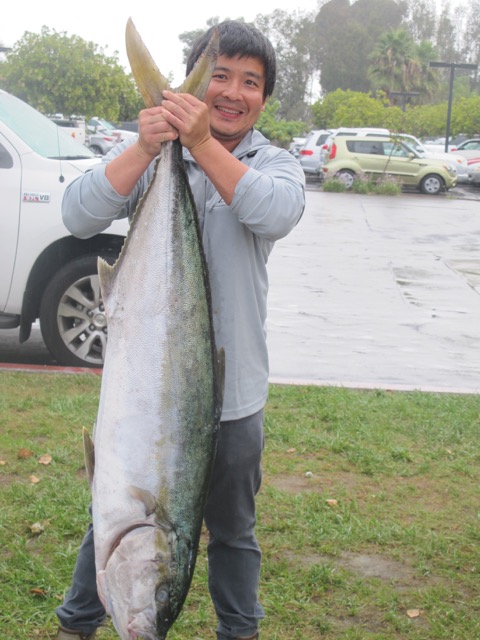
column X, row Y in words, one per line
column 367, row 291
column 372, row 291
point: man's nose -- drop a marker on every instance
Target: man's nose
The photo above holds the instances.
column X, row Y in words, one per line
column 232, row 90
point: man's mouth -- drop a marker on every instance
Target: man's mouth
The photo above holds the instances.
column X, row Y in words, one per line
column 228, row 111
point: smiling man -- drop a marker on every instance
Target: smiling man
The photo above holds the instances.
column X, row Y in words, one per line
column 248, row 194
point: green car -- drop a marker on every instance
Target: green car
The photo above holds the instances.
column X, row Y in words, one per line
column 350, row 156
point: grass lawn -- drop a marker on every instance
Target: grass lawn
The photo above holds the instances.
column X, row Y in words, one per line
column 368, row 518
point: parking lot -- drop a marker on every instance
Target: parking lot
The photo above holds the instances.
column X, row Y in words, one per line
column 379, row 291
column 367, row 291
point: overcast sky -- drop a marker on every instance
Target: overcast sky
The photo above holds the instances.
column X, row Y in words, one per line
column 159, row 23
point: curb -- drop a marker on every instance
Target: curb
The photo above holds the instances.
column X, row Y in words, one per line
column 40, row 368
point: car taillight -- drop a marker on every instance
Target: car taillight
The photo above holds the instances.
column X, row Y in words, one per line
column 306, row 152
column 333, row 152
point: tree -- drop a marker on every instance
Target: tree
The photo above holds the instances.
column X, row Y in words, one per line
column 345, row 36
column 290, row 34
column 56, row 73
column 420, row 20
column 279, row 132
column 394, row 63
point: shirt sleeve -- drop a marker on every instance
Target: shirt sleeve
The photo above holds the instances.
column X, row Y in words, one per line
column 270, row 198
column 90, row 203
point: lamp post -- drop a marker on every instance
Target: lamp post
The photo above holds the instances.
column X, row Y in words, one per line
column 452, row 66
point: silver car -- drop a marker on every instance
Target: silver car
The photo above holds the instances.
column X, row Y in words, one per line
column 309, row 154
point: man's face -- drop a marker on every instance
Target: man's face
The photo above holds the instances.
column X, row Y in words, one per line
column 235, row 98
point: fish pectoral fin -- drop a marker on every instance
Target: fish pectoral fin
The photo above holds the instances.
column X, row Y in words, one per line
column 152, row 506
column 89, row 452
column 144, row 496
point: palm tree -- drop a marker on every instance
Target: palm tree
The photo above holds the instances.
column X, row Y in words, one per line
column 394, row 62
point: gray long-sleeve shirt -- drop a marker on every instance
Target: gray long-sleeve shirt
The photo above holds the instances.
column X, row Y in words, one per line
column 268, row 202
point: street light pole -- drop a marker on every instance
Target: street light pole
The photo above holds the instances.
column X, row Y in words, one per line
column 452, row 66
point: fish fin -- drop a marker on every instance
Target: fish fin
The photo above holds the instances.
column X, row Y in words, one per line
column 89, row 452
column 151, row 506
column 150, row 81
column 106, row 275
column 199, row 77
column 144, row 496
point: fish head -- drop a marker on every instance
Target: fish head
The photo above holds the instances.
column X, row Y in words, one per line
column 136, row 583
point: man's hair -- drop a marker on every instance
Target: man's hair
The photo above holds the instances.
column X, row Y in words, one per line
column 243, row 40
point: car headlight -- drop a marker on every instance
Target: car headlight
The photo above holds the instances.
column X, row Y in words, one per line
column 452, row 169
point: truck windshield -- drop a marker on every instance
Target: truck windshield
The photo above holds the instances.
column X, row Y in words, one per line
column 37, row 131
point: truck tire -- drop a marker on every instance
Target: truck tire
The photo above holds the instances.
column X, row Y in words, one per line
column 72, row 318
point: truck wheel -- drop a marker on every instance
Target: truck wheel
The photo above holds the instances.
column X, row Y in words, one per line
column 72, row 317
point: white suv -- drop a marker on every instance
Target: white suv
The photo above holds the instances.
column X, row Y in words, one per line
column 47, row 274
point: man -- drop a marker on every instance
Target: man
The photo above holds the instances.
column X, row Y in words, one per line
column 248, row 194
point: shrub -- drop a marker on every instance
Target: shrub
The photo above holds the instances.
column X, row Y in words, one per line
column 334, row 185
column 388, row 185
column 363, row 183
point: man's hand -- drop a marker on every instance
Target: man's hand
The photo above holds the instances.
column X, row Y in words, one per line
column 189, row 116
column 153, row 130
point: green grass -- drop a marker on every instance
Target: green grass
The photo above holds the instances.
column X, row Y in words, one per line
column 369, row 510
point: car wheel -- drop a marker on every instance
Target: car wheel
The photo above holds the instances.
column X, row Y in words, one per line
column 96, row 149
column 72, row 316
column 346, row 176
column 432, row 184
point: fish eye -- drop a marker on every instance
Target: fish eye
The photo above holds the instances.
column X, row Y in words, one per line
column 161, row 595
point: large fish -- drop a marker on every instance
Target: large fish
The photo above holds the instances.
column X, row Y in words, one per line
column 161, row 394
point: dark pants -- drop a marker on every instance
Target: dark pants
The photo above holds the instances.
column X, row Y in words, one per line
column 233, row 553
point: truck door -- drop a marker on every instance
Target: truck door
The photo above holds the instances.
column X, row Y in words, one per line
column 10, row 188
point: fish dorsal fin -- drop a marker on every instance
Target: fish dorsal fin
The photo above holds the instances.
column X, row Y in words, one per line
column 89, row 452
column 151, row 82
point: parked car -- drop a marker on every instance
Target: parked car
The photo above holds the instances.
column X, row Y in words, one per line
column 438, row 144
column 309, row 154
column 295, row 146
column 100, row 125
column 101, row 143
column 469, row 149
column 348, row 131
column 474, row 172
column 75, row 125
column 104, row 135
column 460, row 162
column 350, row 156
column 47, row 274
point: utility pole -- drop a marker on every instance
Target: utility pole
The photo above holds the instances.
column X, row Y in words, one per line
column 452, row 66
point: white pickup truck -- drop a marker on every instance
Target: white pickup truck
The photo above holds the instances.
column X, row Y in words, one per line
column 46, row 273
